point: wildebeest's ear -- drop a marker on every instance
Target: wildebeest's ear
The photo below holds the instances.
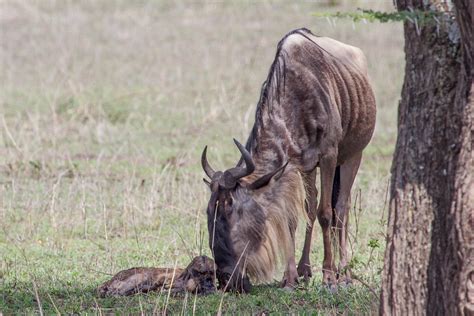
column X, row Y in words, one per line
column 264, row 180
column 206, row 182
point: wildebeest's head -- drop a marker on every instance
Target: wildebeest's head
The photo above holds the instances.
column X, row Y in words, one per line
column 236, row 221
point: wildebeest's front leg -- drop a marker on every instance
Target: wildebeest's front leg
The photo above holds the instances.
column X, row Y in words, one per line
column 290, row 277
column 304, row 266
column 327, row 166
column 348, row 172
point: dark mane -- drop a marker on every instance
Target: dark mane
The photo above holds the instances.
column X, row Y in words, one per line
column 274, row 85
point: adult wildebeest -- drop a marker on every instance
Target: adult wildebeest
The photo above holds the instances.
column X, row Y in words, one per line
column 316, row 109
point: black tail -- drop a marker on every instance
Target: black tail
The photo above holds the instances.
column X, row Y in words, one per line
column 336, row 186
column 335, row 193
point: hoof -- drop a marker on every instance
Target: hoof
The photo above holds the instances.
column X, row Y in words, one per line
column 289, row 281
column 304, row 270
column 330, row 281
column 287, row 284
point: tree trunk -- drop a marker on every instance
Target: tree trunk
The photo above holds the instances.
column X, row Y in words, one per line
column 429, row 258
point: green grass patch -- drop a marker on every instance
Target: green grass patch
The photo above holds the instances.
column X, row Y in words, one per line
column 105, row 108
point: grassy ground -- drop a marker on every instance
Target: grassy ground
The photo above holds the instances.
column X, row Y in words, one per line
column 105, row 107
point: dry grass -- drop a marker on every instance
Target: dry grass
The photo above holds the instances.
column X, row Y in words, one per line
column 104, row 109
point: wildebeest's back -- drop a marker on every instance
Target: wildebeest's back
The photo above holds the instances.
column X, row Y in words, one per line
column 327, row 101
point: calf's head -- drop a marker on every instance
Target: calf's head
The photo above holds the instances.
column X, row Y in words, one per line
column 236, row 222
column 198, row 277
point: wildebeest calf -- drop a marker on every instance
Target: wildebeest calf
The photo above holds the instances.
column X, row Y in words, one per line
column 198, row 277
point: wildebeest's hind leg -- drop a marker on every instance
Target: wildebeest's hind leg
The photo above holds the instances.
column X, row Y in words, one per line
column 304, row 265
column 327, row 166
column 348, row 171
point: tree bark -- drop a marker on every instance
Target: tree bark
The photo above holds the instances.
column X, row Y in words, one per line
column 429, row 257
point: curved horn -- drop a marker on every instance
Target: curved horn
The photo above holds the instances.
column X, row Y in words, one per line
column 205, row 165
column 264, row 180
column 241, row 171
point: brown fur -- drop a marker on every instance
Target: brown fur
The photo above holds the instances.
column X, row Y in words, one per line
column 198, row 277
column 316, row 109
column 283, row 205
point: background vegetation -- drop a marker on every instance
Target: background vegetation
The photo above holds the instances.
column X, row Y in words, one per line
column 105, row 107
